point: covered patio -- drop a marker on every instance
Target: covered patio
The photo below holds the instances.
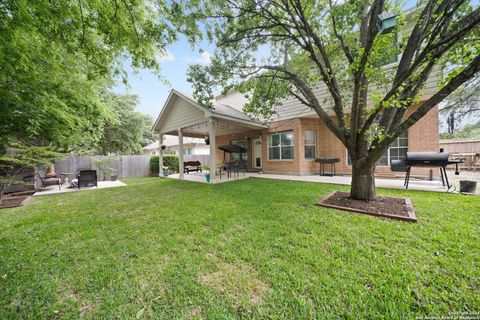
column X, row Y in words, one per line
column 182, row 116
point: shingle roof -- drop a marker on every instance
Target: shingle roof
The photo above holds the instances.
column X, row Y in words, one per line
column 226, row 110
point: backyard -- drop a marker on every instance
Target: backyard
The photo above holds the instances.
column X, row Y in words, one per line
column 253, row 248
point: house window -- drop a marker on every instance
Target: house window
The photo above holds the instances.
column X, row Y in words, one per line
column 397, row 151
column 310, row 142
column 242, row 143
column 187, row 151
column 280, row 146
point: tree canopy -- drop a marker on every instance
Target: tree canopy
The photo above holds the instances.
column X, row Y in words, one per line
column 127, row 131
column 58, row 58
column 274, row 49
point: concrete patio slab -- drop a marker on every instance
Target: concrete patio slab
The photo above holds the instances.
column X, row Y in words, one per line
column 200, row 177
column 66, row 189
column 381, row 182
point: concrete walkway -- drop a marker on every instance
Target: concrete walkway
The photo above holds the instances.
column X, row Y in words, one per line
column 381, row 182
column 66, row 189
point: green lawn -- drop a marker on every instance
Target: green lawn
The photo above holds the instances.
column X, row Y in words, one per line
column 246, row 249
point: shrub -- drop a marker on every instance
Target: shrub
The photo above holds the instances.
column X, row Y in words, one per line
column 169, row 160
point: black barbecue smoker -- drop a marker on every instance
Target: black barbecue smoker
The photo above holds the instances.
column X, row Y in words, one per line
column 425, row 159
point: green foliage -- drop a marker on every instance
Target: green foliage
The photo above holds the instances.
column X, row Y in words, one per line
column 105, row 166
column 332, row 58
column 58, row 57
column 169, row 160
column 20, row 157
column 154, row 164
column 127, row 130
column 469, row 131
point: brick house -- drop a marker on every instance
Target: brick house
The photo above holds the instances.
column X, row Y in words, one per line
column 291, row 142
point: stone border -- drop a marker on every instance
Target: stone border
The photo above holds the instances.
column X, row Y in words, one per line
column 25, row 201
column 410, row 218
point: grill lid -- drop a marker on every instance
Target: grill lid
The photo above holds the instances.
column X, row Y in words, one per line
column 427, row 158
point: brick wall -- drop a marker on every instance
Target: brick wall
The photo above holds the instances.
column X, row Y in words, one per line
column 423, row 136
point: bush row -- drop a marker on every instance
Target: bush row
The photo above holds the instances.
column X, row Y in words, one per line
column 169, row 160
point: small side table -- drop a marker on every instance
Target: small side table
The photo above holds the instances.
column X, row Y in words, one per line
column 66, row 177
column 331, row 161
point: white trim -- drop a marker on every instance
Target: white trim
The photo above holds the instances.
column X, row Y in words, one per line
column 180, row 154
column 208, row 113
column 310, row 145
column 254, row 160
column 213, row 149
column 280, row 146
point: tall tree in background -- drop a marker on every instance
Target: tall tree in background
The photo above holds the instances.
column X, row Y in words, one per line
column 58, row 57
column 341, row 46
column 461, row 109
column 125, row 131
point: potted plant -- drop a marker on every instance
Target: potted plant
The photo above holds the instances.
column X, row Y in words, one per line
column 207, row 172
column 104, row 165
column 113, row 174
column 165, row 171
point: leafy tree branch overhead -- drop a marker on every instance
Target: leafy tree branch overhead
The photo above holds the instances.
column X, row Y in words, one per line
column 58, row 58
column 339, row 46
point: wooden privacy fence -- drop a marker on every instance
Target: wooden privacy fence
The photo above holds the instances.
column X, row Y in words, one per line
column 124, row 166
column 460, row 146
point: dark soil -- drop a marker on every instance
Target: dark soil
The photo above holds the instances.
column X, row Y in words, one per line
column 11, row 202
column 379, row 206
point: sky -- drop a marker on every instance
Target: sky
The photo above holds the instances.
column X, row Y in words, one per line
column 151, row 90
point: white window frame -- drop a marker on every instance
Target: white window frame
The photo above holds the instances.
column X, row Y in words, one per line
column 388, row 152
column 269, row 139
column 314, row 145
column 389, row 160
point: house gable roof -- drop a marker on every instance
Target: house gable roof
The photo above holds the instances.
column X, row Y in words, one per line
column 182, row 110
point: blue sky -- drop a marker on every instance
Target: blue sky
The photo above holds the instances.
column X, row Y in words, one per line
column 153, row 92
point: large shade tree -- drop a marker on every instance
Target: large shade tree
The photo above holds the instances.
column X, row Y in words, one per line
column 57, row 58
column 127, row 131
column 272, row 49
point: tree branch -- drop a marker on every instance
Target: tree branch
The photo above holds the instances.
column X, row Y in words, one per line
column 465, row 75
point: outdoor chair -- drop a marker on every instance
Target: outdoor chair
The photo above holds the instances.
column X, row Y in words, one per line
column 232, row 169
column 48, row 181
column 476, row 162
column 87, row 178
column 242, row 166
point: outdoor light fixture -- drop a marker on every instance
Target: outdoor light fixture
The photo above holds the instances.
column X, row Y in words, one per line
column 386, row 22
column 163, row 146
column 207, row 140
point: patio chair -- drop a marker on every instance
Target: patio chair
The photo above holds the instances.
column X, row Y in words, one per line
column 48, row 181
column 232, row 169
column 476, row 162
column 87, row 178
column 242, row 166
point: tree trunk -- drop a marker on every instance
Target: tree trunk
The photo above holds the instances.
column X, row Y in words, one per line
column 363, row 180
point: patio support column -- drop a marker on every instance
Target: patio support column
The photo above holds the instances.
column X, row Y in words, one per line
column 160, row 155
column 212, row 161
column 180, row 154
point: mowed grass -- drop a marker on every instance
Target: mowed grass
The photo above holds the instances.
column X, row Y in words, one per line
column 255, row 248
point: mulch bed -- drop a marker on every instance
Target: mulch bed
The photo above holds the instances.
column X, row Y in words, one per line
column 387, row 207
column 12, row 202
